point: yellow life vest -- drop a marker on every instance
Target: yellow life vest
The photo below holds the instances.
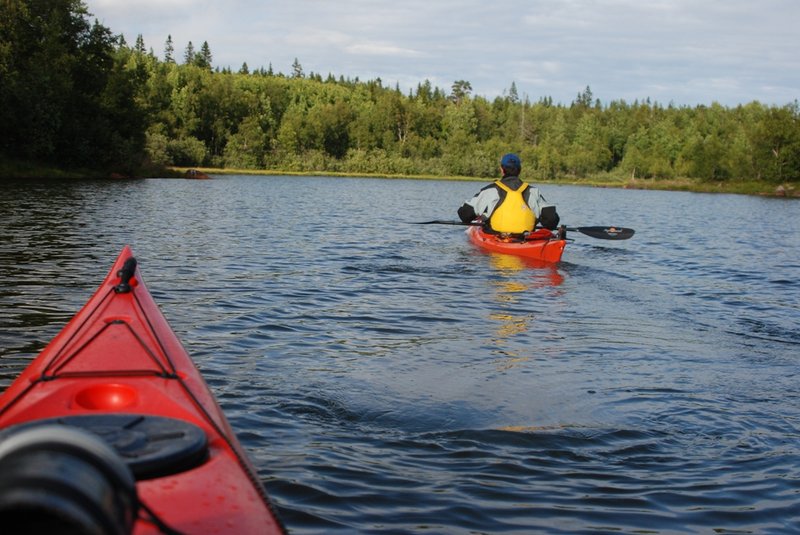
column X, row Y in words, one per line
column 512, row 214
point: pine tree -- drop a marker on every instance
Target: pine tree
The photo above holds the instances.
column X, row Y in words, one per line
column 189, row 55
column 297, row 69
column 203, row 59
column 513, row 96
column 169, row 51
column 460, row 90
column 139, row 48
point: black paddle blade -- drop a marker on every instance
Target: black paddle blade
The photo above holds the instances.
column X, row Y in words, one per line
column 605, row 233
column 440, row 222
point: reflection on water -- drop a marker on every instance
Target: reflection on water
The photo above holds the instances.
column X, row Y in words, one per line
column 392, row 379
column 517, row 280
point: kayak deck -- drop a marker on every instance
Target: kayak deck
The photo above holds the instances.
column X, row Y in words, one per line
column 118, row 370
column 541, row 245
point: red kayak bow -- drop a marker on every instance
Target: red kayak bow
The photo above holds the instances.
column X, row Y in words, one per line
column 112, row 429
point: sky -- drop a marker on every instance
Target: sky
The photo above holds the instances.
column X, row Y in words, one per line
column 681, row 52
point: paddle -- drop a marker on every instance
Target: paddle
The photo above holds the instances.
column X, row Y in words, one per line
column 605, row 233
column 600, row 233
column 440, row 222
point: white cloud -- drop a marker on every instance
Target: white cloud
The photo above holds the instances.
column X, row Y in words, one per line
column 690, row 52
column 381, row 49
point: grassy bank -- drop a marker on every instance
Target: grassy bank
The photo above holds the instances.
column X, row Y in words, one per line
column 742, row 187
column 13, row 169
column 21, row 169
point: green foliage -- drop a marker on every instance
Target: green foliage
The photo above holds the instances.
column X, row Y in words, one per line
column 157, row 146
column 187, row 152
column 64, row 99
column 776, row 139
column 72, row 94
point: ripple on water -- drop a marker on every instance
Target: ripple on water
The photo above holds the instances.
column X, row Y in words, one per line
column 389, row 378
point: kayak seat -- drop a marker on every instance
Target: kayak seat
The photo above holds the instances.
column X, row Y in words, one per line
column 150, row 446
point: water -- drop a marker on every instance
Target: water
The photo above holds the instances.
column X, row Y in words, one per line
column 389, row 378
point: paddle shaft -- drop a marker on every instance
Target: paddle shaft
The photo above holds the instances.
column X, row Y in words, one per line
column 600, row 233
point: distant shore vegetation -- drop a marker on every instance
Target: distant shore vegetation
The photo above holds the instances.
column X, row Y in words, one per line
column 75, row 96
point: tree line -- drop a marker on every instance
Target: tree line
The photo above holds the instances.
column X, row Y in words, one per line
column 74, row 94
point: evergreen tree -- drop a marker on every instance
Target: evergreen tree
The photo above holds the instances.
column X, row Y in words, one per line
column 584, row 99
column 139, row 47
column 513, row 96
column 460, row 90
column 72, row 94
column 169, row 50
column 189, row 55
column 203, row 59
column 59, row 97
column 297, row 69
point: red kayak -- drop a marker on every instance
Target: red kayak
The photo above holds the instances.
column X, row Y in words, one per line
column 112, row 429
column 541, row 244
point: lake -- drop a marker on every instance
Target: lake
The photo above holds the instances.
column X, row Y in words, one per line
column 387, row 377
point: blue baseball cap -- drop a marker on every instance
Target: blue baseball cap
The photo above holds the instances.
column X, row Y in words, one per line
column 511, row 161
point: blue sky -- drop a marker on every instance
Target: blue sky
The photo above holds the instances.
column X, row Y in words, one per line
column 686, row 52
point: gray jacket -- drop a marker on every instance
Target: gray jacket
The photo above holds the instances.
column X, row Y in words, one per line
column 484, row 202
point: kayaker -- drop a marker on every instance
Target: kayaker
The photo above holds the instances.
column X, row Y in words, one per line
column 509, row 205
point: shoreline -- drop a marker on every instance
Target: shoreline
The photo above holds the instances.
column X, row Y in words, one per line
column 736, row 187
column 789, row 190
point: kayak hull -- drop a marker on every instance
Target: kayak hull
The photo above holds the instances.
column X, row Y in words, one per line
column 544, row 246
column 119, row 360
